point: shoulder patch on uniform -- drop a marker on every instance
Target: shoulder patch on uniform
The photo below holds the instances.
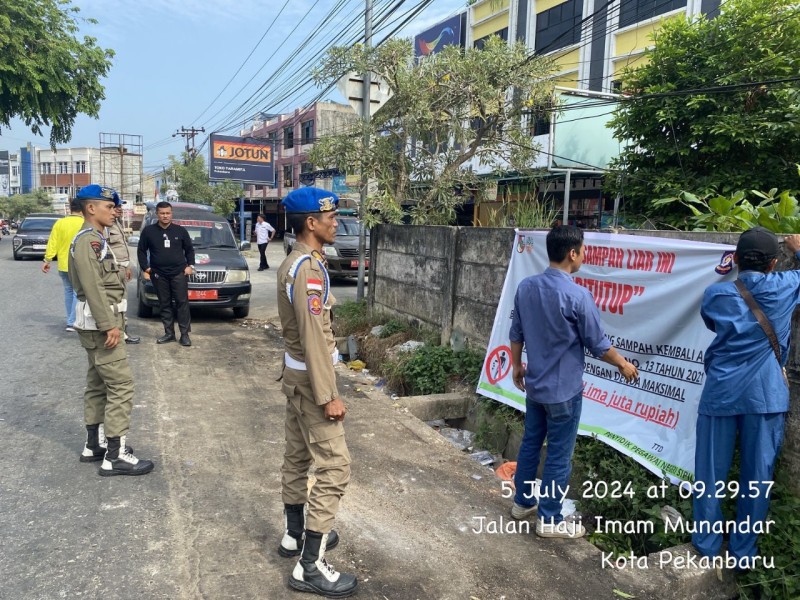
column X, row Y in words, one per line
column 315, row 305
column 314, row 284
column 97, row 247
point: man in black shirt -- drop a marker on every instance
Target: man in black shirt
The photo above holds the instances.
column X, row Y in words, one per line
column 170, row 263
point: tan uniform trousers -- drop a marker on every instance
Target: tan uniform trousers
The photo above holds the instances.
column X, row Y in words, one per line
column 108, row 397
column 310, row 437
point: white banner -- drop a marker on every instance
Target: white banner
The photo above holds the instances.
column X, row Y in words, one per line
column 648, row 291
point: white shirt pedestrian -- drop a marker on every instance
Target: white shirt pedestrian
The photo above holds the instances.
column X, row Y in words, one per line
column 263, row 232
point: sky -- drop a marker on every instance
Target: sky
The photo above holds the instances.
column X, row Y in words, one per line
column 174, row 61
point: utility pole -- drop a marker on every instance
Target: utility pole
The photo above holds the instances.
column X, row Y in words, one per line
column 189, row 135
column 366, row 100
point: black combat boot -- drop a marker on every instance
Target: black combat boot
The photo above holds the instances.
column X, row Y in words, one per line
column 92, row 450
column 119, row 460
column 313, row 574
column 96, row 444
column 292, row 542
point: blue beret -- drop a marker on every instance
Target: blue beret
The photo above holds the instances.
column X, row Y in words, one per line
column 309, row 200
column 97, row 192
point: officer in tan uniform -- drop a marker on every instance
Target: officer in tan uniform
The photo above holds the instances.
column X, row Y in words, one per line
column 119, row 245
column 314, row 409
column 100, row 286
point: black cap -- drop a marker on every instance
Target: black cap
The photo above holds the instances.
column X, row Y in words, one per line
column 756, row 243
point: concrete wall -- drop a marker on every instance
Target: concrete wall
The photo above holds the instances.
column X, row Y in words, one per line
column 450, row 278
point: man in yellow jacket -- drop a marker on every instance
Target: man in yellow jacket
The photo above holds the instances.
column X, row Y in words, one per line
column 64, row 231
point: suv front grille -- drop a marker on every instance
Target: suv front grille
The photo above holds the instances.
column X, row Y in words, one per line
column 352, row 252
column 207, row 277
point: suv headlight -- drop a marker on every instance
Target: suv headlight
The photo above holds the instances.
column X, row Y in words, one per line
column 17, row 241
column 330, row 251
column 237, row 276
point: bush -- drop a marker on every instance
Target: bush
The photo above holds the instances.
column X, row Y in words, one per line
column 430, row 368
column 782, row 543
column 596, row 461
column 393, row 326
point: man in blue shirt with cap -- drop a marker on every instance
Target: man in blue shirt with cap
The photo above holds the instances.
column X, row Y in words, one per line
column 745, row 393
column 314, row 408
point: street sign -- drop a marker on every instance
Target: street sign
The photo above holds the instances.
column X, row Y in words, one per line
column 351, row 86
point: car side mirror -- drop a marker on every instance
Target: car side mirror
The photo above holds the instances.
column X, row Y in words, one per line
column 244, row 245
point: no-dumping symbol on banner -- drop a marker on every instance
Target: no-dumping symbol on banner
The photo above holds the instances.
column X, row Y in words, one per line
column 498, row 364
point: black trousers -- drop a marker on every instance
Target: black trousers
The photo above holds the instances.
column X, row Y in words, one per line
column 262, row 250
column 169, row 289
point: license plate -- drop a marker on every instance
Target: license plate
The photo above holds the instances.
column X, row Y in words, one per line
column 203, row 295
column 40, row 246
column 354, row 264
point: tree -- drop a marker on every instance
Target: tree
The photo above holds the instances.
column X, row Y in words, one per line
column 193, row 185
column 47, row 75
column 718, row 141
column 19, row 206
column 446, row 111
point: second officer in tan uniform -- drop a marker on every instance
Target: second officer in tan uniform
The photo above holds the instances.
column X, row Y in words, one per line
column 122, row 254
column 314, row 409
column 100, row 286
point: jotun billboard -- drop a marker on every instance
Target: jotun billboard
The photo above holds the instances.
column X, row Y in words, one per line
column 248, row 160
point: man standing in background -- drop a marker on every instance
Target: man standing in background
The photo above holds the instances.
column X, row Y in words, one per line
column 166, row 254
column 119, row 246
column 264, row 234
column 58, row 246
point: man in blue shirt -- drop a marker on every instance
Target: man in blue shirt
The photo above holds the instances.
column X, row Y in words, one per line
column 555, row 319
column 745, row 393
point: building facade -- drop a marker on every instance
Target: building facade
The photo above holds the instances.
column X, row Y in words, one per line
column 63, row 171
column 591, row 42
column 293, row 135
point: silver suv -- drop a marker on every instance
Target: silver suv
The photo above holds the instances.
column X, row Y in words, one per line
column 32, row 235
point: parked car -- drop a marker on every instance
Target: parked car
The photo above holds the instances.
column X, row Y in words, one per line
column 32, row 235
column 221, row 277
column 342, row 255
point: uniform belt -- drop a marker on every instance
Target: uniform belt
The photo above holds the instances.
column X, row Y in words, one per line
column 120, row 307
column 298, row 365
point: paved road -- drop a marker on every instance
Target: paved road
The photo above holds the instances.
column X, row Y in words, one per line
column 205, row 523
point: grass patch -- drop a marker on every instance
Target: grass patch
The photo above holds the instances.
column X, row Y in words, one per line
column 351, row 318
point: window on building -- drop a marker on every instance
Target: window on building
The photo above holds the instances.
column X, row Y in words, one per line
column 46, row 168
column 288, row 137
column 288, row 176
column 15, row 171
column 616, row 86
column 559, row 26
column 633, row 11
column 539, row 124
column 64, row 190
column 308, row 132
column 80, row 166
column 502, row 34
column 63, row 168
column 306, row 167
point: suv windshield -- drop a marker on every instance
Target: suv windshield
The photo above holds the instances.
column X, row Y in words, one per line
column 208, row 234
column 348, row 227
column 38, row 224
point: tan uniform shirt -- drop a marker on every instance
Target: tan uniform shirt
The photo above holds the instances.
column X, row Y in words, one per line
column 116, row 239
column 306, row 320
column 97, row 278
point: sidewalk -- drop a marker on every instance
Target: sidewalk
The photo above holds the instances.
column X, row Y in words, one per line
column 407, row 521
